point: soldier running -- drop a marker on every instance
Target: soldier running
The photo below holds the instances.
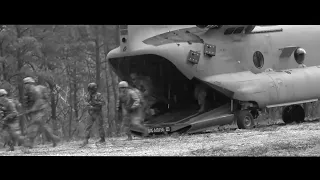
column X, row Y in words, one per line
column 131, row 105
column 36, row 103
column 94, row 102
column 151, row 95
column 9, row 121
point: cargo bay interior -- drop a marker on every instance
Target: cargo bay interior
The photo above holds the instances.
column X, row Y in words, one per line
column 167, row 82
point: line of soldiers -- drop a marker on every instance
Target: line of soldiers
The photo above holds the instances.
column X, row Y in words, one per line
column 35, row 103
column 130, row 105
column 134, row 103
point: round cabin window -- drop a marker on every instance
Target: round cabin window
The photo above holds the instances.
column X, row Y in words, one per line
column 299, row 55
column 258, row 59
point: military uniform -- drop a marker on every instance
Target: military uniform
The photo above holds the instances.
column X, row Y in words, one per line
column 10, row 122
column 121, row 112
column 200, row 94
column 36, row 103
column 131, row 105
column 144, row 84
column 95, row 102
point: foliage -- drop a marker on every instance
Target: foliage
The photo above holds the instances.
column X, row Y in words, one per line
column 65, row 58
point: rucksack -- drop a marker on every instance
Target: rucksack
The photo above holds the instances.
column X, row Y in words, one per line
column 140, row 96
column 43, row 91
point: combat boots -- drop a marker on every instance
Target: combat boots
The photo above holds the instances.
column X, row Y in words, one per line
column 101, row 141
column 85, row 142
column 11, row 147
column 55, row 140
column 129, row 137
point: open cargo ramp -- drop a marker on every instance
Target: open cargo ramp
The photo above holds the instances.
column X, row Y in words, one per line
column 193, row 123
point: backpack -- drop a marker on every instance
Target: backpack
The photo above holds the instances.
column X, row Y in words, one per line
column 140, row 96
column 43, row 91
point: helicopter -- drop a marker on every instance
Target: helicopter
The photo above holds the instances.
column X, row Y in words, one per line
column 245, row 68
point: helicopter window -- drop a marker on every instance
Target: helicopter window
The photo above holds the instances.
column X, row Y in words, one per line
column 258, row 59
column 229, row 31
column 299, row 55
column 238, row 30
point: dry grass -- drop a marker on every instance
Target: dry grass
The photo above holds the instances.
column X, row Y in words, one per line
column 273, row 140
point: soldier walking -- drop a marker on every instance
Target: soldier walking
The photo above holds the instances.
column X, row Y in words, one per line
column 94, row 102
column 9, row 120
column 36, row 103
column 131, row 105
column 152, row 96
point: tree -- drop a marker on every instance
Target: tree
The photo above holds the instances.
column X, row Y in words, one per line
column 65, row 58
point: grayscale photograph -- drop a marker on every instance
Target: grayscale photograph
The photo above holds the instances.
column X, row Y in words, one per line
column 160, row 90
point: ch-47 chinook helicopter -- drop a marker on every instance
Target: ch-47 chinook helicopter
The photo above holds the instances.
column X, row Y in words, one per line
column 247, row 68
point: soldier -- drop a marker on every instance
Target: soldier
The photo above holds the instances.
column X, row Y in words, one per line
column 131, row 105
column 8, row 140
column 200, row 93
column 144, row 84
column 151, row 97
column 94, row 102
column 10, row 122
column 36, row 103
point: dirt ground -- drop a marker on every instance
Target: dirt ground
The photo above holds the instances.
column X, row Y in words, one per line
column 267, row 140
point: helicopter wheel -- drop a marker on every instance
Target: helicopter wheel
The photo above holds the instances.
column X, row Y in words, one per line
column 245, row 120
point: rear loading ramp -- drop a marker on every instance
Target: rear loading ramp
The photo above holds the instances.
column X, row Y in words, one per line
column 216, row 117
column 168, row 82
column 194, row 123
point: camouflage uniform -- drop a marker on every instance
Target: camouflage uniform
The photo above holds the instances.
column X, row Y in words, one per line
column 144, row 84
column 95, row 114
column 10, row 122
column 36, row 103
column 8, row 140
column 121, row 112
column 131, row 104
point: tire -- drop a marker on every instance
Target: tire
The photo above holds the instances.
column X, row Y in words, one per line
column 286, row 115
column 297, row 114
column 245, row 120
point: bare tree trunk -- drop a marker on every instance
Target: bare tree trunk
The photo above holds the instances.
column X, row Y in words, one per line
column 111, row 99
column 53, row 109
column 75, row 89
column 70, row 104
column 116, row 97
column 20, row 80
column 109, row 130
column 2, row 66
column 112, row 108
column 98, row 62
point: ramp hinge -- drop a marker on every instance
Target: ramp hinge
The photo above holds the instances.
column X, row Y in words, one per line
column 193, row 57
column 209, row 50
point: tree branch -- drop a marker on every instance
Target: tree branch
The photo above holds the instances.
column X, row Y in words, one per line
column 15, row 74
column 102, row 45
column 24, row 30
column 28, row 63
column 89, row 53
